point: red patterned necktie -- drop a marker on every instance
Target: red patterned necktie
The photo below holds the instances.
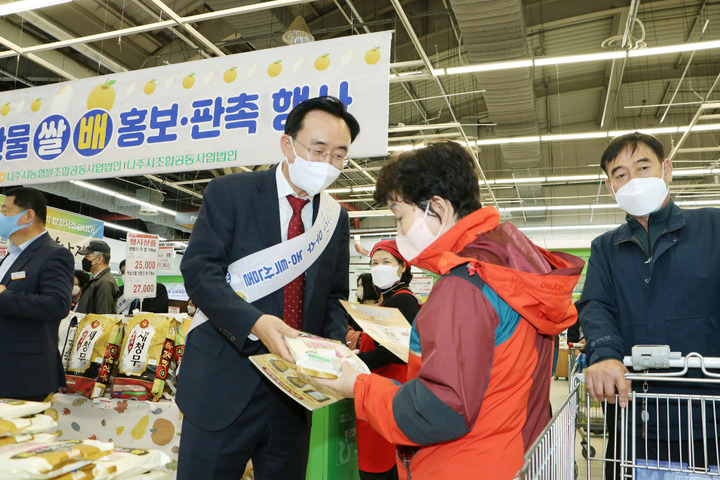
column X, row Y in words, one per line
column 295, row 291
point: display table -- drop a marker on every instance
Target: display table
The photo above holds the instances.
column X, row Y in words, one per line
column 127, row 423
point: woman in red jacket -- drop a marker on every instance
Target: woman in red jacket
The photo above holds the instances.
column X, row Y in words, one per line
column 391, row 275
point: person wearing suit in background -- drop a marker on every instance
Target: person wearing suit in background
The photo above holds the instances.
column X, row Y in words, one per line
column 231, row 412
column 36, row 281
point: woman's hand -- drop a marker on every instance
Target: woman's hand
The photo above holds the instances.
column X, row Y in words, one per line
column 344, row 384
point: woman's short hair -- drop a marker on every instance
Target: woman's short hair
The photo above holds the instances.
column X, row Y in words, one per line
column 445, row 169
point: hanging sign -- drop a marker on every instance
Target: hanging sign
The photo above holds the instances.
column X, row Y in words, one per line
column 213, row 113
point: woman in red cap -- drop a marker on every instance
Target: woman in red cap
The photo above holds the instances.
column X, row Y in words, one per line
column 391, row 275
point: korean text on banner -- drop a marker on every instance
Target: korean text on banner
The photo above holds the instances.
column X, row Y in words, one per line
column 212, row 113
column 70, row 230
column 141, row 265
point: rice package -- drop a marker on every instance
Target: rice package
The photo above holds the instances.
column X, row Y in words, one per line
column 27, row 425
column 21, row 438
column 10, row 408
column 126, row 462
column 95, row 350
column 44, row 460
column 321, row 357
column 145, row 357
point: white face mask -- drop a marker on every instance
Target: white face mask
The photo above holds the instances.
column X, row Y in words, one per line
column 417, row 238
column 312, row 177
column 359, row 294
column 191, row 310
column 384, row 276
column 642, row 196
column 75, row 290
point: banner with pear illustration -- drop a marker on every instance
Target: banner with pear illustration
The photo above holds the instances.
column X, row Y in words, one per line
column 212, row 113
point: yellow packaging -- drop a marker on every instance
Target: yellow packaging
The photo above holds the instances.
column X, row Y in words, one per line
column 95, row 350
column 42, row 460
column 145, row 357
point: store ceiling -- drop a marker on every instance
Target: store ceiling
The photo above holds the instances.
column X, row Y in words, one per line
column 595, row 97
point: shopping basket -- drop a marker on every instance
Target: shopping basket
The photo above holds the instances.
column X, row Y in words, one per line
column 659, row 436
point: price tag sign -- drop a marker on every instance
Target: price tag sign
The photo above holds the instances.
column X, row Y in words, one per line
column 165, row 258
column 141, row 261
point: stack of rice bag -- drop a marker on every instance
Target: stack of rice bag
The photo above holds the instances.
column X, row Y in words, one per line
column 28, row 453
column 140, row 363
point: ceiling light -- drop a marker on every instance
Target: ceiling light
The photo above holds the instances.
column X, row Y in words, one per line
column 590, row 57
column 298, row 32
column 25, row 5
column 485, row 67
column 683, row 47
column 120, row 196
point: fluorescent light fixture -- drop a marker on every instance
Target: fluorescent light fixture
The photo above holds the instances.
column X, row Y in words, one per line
column 683, row 47
column 506, row 140
column 608, row 226
column 590, row 57
column 710, row 105
column 115, row 226
column 25, row 5
column 370, row 213
column 120, row 196
column 575, row 178
column 400, row 148
column 572, row 136
column 489, row 67
column 698, row 203
column 333, row 191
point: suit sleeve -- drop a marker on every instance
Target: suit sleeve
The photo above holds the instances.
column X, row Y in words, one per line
column 598, row 311
column 335, row 325
column 457, row 343
column 206, row 261
column 51, row 301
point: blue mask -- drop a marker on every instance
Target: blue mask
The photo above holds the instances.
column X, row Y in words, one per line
column 8, row 225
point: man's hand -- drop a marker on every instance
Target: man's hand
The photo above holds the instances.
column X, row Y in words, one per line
column 2, row 288
column 602, row 379
column 270, row 330
column 344, row 384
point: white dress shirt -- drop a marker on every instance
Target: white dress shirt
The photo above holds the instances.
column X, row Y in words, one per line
column 284, row 189
column 14, row 252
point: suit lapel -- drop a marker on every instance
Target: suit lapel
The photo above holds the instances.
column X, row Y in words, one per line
column 312, row 272
column 266, row 208
column 24, row 257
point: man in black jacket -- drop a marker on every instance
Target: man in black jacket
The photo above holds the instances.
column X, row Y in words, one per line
column 36, row 279
column 101, row 293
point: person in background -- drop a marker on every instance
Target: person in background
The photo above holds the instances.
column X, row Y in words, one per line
column 367, row 294
column 101, row 292
column 191, row 308
column 160, row 303
column 79, row 283
column 478, row 388
column 36, row 279
column 391, row 275
column 652, row 281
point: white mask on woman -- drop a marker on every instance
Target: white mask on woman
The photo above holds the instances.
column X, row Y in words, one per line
column 642, row 196
column 417, row 238
column 76, row 290
column 384, row 276
column 191, row 310
column 312, row 177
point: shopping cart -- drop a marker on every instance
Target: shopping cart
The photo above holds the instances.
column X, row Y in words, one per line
column 659, row 436
column 552, row 456
column 589, row 419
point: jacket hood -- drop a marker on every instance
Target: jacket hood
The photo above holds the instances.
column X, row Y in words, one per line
column 536, row 283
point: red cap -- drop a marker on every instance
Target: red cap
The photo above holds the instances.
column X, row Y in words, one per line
column 389, row 246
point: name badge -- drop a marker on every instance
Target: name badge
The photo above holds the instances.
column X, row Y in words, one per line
column 17, row 276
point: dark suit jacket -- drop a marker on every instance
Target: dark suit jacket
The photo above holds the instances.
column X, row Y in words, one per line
column 30, row 312
column 239, row 216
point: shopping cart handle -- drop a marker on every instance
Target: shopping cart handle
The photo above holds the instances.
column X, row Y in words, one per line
column 646, row 357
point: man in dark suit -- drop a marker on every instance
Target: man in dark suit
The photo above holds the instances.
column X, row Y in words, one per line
column 231, row 412
column 36, row 280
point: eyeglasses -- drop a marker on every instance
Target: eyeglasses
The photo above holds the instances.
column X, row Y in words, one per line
column 318, row 154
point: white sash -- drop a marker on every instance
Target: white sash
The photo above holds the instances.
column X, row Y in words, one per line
column 267, row 271
column 123, row 304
